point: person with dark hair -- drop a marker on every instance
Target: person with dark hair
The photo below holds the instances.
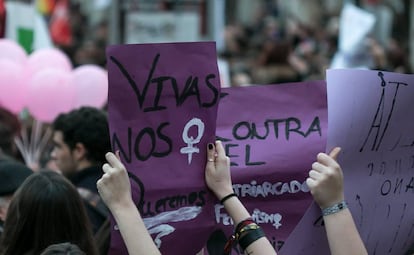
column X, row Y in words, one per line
column 10, row 127
column 12, row 175
column 81, row 139
column 63, row 249
column 46, row 210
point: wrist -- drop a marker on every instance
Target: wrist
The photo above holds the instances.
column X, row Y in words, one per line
column 330, row 202
column 121, row 205
column 227, row 197
column 220, row 195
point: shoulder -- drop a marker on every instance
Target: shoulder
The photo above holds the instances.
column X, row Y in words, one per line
column 87, row 178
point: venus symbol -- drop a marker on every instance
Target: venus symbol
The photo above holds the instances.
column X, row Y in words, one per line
column 190, row 140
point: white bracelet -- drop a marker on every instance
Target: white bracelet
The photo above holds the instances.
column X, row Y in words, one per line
column 335, row 208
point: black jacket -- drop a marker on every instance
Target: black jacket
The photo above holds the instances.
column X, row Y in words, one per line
column 85, row 181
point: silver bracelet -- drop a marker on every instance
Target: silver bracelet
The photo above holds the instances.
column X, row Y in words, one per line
column 335, row 208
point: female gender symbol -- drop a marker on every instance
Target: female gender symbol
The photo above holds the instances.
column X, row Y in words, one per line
column 190, row 141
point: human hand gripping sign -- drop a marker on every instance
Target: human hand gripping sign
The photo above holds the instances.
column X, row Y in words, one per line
column 217, row 172
column 325, row 180
column 114, row 185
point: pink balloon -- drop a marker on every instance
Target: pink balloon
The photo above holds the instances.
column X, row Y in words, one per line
column 91, row 86
column 48, row 58
column 12, row 51
column 13, row 88
column 50, row 93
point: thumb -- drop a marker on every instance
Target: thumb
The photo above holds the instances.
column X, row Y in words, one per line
column 335, row 152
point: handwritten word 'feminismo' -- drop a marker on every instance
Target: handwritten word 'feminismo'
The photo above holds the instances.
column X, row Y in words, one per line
column 191, row 88
column 257, row 215
column 266, row 188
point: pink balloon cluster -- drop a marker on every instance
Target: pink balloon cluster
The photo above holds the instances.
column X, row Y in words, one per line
column 46, row 83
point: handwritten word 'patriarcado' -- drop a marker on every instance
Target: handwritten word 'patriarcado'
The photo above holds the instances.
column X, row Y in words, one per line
column 257, row 215
column 266, row 188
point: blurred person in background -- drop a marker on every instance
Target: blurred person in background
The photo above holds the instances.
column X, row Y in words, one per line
column 12, row 175
column 46, row 210
column 10, row 127
column 63, row 249
column 81, row 139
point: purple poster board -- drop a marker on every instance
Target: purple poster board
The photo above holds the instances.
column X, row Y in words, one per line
column 162, row 109
column 272, row 134
column 371, row 118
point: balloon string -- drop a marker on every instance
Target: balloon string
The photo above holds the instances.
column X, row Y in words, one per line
column 19, row 143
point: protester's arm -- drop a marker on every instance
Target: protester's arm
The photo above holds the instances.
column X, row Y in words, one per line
column 218, row 179
column 115, row 190
column 326, row 185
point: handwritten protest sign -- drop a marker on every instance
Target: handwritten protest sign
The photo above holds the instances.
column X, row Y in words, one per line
column 371, row 118
column 162, row 109
column 272, row 134
column 355, row 26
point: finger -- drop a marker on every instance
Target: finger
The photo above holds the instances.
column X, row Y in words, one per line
column 99, row 183
column 210, row 153
column 118, row 155
column 326, row 160
column 315, row 175
column 114, row 161
column 335, row 152
column 220, row 150
column 106, row 168
column 318, row 167
column 311, row 183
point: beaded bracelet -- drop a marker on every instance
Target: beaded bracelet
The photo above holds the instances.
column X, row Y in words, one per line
column 335, row 208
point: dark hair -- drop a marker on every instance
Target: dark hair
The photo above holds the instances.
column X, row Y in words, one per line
column 9, row 128
column 63, row 249
column 86, row 125
column 46, row 209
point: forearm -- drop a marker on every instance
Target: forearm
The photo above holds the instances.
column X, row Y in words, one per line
column 238, row 213
column 134, row 233
column 343, row 236
column 236, row 210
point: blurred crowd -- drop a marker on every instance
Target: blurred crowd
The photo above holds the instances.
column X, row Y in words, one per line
column 281, row 41
column 284, row 43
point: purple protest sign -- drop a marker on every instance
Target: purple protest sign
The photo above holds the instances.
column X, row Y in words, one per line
column 162, row 109
column 272, row 134
column 370, row 118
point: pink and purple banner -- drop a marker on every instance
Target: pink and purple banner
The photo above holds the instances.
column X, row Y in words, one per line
column 371, row 119
column 162, row 109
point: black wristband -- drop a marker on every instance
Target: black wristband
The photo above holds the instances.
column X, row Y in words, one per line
column 250, row 237
column 227, row 197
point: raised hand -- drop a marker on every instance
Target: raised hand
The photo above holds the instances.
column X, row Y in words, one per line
column 217, row 172
column 114, row 185
column 325, row 180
